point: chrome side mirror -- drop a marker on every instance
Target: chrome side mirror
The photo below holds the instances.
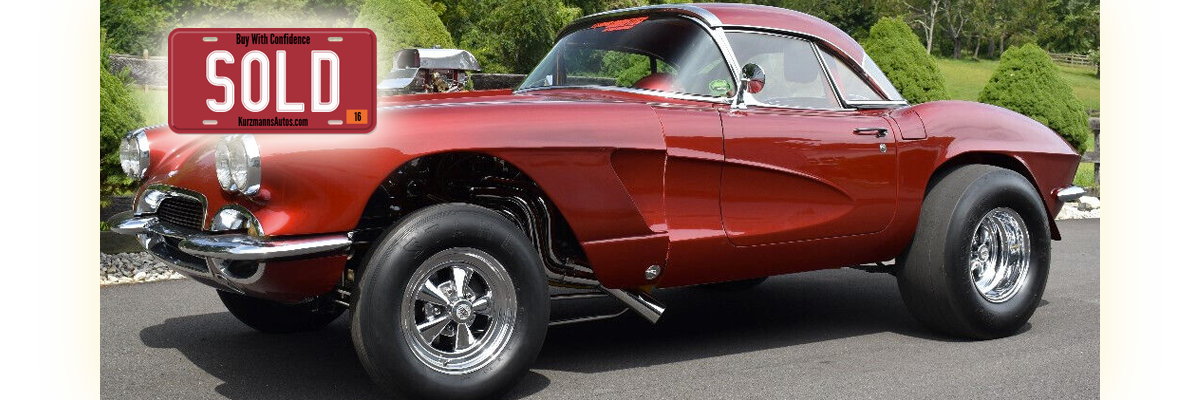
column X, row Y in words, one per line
column 753, row 80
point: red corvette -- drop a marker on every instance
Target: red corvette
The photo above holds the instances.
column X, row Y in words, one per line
column 653, row 147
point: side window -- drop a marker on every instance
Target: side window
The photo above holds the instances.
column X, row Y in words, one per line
column 851, row 85
column 794, row 75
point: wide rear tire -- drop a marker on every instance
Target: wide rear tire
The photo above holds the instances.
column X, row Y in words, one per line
column 980, row 259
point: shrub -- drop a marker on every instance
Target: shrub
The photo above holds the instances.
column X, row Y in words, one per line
column 119, row 114
column 400, row 24
column 899, row 53
column 1028, row 82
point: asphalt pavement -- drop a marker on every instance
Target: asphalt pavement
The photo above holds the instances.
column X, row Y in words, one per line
column 828, row 334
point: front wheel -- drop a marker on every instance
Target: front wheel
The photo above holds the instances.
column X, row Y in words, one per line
column 980, row 259
column 453, row 304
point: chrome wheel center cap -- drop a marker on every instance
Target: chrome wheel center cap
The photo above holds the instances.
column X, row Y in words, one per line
column 463, row 312
column 1000, row 255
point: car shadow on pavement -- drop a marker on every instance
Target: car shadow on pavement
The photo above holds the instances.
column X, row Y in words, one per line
column 700, row 323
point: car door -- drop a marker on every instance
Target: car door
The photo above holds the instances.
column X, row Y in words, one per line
column 798, row 165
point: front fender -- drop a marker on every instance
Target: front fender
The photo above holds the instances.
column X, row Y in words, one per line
column 319, row 183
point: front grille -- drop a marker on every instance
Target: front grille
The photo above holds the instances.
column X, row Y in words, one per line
column 182, row 212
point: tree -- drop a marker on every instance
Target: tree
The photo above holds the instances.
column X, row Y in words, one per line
column 1070, row 26
column 400, row 24
column 959, row 17
column 925, row 14
column 898, row 52
column 119, row 114
column 1028, row 82
column 134, row 25
column 853, row 16
column 514, row 36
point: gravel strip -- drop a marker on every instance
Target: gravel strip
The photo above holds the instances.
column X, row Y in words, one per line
column 1072, row 211
column 133, row 268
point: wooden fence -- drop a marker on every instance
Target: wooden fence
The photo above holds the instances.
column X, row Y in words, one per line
column 1079, row 60
column 1094, row 155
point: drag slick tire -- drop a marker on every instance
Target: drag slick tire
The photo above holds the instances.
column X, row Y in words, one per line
column 453, row 304
column 274, row 317
column 978, row 264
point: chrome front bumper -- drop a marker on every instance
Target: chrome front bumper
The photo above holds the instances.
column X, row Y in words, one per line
column 282, row 269
column 1069, row 193
column 238, row 247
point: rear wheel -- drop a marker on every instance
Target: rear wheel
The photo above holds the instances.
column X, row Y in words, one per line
column 453, row 304
column 979, row 262
column 274, row 317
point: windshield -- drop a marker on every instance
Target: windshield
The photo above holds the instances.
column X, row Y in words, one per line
column 667, row 54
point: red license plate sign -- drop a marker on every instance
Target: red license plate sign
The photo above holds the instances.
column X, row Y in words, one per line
column 271, row 80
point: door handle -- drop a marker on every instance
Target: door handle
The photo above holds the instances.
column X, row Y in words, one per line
column 878, row 132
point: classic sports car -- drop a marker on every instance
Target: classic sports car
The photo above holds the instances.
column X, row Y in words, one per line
column 724, row 144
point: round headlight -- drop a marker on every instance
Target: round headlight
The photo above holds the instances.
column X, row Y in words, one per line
column 237, row 164
column 135, row 154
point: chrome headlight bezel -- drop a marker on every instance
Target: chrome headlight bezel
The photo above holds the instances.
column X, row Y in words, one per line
column 134, row 154
column 238, row 164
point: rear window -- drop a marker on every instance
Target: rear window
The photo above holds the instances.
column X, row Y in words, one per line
column 852, row 86
column 881, row 79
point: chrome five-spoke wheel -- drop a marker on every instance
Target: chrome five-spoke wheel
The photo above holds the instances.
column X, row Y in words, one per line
column 999, row 257
column 459, row 310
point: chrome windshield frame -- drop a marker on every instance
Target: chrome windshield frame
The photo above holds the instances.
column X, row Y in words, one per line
column 717, row 31
column 718, row 38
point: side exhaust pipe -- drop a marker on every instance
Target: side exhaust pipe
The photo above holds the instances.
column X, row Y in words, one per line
column 639, row 302
column 535, row 215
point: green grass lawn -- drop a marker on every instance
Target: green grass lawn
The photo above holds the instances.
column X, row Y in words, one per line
column 1085, row 176
column 965, row 79
column 153, row 104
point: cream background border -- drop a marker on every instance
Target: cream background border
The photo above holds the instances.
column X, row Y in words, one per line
column 67, row 184
column 1132, row 231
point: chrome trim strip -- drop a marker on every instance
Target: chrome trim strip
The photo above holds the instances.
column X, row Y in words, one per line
column 726, row 49
column 229, row 246
column 669, row 95
column 837, row 91
column 1069, row 193
column 245, row 247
